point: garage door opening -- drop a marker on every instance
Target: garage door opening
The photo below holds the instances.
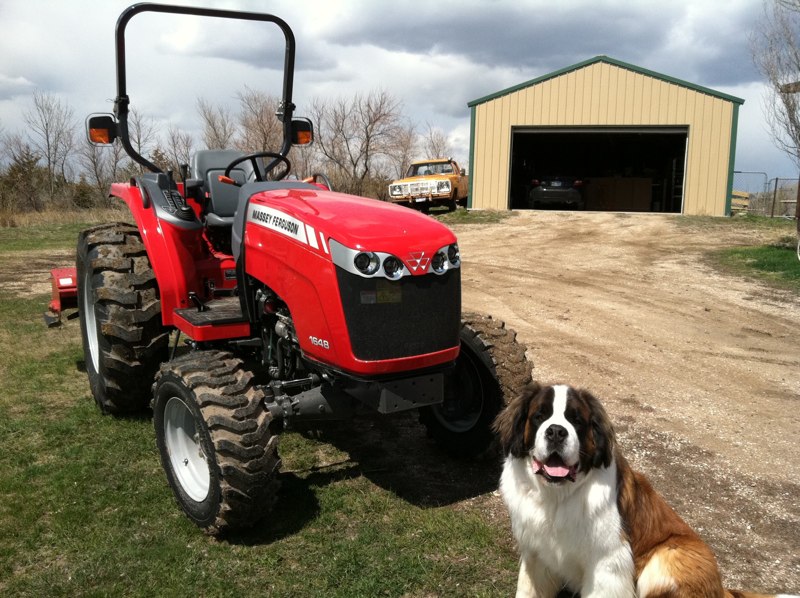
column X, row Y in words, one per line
column 600, row 169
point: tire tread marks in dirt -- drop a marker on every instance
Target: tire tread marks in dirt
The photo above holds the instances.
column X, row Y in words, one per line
column 245, row 451
column 132, row 340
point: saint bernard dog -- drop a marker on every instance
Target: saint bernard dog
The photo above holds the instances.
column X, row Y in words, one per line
column 585, row 522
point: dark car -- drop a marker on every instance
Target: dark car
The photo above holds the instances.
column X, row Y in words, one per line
column 557, row 191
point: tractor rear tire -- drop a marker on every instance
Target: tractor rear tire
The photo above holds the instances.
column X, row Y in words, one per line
column 212, row 432
column 120, row 316
column 490, row 371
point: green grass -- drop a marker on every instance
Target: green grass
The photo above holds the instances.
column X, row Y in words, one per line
column 775, row 264
column 742, row 221
column 461, row 216
column 46, row 236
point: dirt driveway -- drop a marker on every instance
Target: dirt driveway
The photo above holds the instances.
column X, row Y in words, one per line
column 700, row 371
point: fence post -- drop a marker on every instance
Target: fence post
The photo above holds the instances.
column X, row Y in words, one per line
column 797, row 208
column 774, row 197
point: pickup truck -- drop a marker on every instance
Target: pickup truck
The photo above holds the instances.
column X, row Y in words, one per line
column 428, row 183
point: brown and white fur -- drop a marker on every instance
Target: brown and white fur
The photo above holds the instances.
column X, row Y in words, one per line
column 583, row 519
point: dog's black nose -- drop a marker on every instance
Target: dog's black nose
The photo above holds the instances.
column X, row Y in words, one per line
column 556, row 434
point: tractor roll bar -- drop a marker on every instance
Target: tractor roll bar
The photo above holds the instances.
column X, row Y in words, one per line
column 121, row 102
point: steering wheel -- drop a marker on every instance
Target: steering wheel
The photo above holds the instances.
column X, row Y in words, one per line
column 253, row 158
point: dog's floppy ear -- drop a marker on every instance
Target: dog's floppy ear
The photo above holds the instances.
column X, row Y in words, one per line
column 510, row 423
column 602, row 431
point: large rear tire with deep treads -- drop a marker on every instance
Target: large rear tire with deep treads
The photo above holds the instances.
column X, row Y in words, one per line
column 213, row 435
column 490, row 371
column 124, row 340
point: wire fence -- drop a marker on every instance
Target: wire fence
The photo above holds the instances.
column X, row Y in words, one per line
column 755, row 193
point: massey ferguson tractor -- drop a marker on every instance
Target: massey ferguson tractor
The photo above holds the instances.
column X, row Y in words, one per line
column 241, row 303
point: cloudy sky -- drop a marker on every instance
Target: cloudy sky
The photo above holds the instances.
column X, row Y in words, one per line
column 434, row 56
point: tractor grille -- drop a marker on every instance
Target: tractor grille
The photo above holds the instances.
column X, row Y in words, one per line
column 411, row 316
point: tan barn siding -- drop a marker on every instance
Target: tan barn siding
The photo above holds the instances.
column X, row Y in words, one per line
column 604, row 94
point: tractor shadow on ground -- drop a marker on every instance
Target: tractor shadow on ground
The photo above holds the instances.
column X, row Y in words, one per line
column 395, row 453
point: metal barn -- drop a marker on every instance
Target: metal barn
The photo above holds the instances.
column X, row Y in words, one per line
column 636, row 140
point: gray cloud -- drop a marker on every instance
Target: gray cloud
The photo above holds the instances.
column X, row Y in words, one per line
column 704, row 44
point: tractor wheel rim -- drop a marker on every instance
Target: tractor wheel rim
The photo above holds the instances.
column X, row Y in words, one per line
column 185, row 451
column 91, row 321
column 467, row 400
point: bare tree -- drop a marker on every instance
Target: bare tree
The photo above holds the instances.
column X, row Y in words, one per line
column 775, row 45
column 259, row 128
column 142, row 134
column 50, row 129
column 358, row 137
column 3, row 151
column 435, row 143
column 180, row 146
column 219, row 128
column 102, row 166
column 25, row 181
column 404, row 150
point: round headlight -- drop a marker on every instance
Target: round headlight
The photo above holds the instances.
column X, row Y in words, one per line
column 366, row 263
column 453, row 254
column 393, row 267
column 439, row 262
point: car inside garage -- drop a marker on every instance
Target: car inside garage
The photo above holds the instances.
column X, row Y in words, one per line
column 618, row 169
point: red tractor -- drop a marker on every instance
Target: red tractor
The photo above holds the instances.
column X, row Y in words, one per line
column 242, row 302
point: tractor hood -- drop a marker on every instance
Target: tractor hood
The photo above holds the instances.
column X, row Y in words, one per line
column 356, row 222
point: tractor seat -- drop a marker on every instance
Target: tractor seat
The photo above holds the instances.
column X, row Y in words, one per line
column 222, row 198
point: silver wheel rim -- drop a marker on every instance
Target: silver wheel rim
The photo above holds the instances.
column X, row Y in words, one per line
column 91, row 322
column 185, row 451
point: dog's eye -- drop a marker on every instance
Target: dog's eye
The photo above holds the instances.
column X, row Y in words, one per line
column 538, row 416
column 576, row 420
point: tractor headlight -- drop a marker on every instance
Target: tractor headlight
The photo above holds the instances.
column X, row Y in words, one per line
column 439, row 262
column 367, row 262
column 454, row 255
column 392, row 267
column 447, row 258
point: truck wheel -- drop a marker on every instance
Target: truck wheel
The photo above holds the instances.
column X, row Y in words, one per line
column 452, row 203
column 120, row 317
column 212, row 432
column 489, row 371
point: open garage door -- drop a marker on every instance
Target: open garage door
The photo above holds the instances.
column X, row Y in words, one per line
column 620, row 169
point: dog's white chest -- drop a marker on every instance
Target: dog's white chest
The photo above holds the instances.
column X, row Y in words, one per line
column 567, row 527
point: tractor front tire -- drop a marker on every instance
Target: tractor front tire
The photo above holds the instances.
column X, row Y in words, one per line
column 212, row 432
column 490, row 371
column 120, row 317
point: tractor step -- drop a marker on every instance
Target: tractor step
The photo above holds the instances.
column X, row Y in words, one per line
column 217, row 320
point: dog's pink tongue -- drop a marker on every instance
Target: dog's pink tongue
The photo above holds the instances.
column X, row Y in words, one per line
column 553, row 467
column 556, row 471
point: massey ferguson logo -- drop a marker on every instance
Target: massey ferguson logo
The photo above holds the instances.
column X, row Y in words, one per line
column 417, row 261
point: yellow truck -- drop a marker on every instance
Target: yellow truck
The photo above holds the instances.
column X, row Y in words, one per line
column 436, row 182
